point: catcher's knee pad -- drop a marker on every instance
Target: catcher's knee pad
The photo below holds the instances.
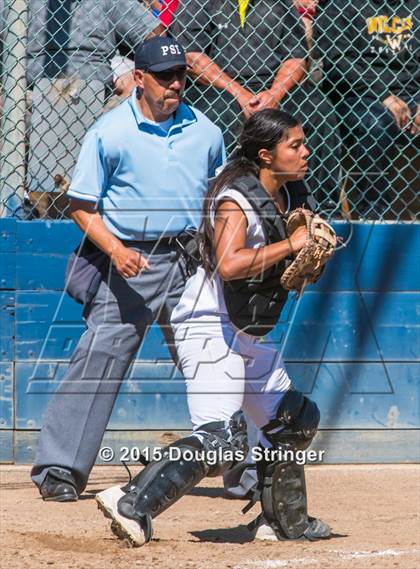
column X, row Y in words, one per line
column 282, row 487
column 296, row 423
column 183, row 464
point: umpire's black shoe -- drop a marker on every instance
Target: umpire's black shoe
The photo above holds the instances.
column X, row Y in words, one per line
column 59, row 486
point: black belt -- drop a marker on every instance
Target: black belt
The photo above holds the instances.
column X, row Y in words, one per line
column 163, row 244
column 167, row 240
column 180, row 242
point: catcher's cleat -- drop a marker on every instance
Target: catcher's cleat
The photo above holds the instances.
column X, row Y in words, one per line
column 135, row 532
column 264, row 532
column 316, row 530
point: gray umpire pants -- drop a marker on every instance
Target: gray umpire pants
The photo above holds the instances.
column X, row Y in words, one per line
column 117, row 319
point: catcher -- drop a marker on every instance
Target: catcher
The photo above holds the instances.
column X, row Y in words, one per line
column 236, row 296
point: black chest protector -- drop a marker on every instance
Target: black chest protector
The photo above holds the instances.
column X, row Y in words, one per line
column 254, row 304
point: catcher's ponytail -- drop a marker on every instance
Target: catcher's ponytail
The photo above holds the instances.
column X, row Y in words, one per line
column 264, row 129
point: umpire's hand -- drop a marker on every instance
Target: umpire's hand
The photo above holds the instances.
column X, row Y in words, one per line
column 128, row 262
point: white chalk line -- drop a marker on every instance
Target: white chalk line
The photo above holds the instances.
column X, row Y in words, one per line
column 277, row 563
column 370, row 554
column 342, row 556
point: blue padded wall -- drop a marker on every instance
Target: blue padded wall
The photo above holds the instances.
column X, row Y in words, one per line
column 351, row 341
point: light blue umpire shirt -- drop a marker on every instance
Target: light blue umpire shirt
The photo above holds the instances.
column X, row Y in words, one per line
column 148, row 181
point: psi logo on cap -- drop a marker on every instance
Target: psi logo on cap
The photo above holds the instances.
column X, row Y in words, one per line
column 171, row 49
column 158, row 54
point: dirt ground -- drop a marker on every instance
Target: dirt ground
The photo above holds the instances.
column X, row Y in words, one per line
column 373, row 510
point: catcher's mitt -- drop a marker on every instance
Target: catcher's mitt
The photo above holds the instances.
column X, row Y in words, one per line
column 319, row 248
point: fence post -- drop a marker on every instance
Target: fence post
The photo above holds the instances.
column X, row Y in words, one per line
column 13, row 129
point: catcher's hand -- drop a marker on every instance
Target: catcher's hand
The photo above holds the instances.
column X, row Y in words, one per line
column 319, row 247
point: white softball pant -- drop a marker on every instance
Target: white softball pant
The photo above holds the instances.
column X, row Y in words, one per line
column 227, row 370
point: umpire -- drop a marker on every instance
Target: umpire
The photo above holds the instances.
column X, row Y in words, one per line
column 150, row 153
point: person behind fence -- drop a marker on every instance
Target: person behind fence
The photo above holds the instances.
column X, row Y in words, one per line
column 371, row 65
column 122, row 80
column 164, row 10
column 152, row 151
column 225, row 364
column 247, row 56
column 69, row 50
column 68, row 38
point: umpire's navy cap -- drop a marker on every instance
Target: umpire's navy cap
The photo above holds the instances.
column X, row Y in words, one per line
column 158, row 54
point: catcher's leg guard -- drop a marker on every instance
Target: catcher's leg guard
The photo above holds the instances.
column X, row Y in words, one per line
column 161, row 483
column 282, row 484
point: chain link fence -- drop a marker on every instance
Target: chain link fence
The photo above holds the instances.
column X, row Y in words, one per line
column 349, row 69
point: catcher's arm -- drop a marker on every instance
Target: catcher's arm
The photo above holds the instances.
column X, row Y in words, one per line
column 234, row 259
